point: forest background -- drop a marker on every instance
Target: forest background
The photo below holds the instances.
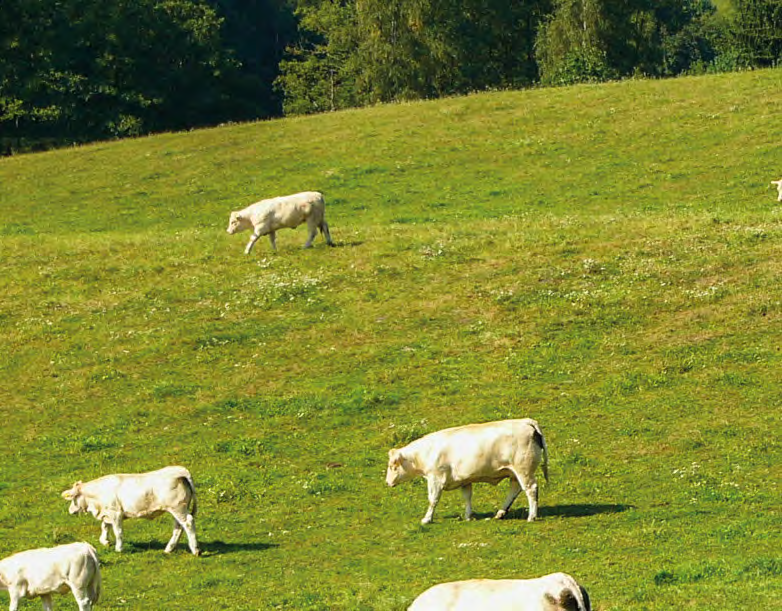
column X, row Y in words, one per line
column 73, row 71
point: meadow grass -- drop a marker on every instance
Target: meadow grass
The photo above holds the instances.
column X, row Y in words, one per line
column 605, row 259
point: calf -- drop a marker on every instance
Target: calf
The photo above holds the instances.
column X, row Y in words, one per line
column 555, row 592
column 268, row 215
column 460, row 456
column 778, row 184
column 42, row 572
column 113, row 498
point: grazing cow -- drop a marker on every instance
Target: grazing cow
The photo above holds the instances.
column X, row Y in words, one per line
column 112, row 498
column 778, row 184
column 460, row 456
column 555, row 592
column 42, row 572
column 268, row 215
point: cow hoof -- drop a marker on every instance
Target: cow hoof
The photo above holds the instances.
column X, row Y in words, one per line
column 500, row 514
column 197, row 553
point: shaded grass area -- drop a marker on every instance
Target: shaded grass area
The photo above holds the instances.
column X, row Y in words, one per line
column 604, row 259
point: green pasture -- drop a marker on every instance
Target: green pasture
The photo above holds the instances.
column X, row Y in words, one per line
column 605, row 259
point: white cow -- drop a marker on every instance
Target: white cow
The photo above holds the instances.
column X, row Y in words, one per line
column 268, row 215
column 555, row 592
column 460, row 456
column 778, row 184
column 113, row 498
column 42, row 572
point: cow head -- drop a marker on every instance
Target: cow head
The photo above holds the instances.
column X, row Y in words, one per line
column 237, row 223
column 399, row 468
column 778, row 184
column 77, row 499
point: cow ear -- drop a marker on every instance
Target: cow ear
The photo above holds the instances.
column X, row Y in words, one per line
column 395, row 456
column 72, row 492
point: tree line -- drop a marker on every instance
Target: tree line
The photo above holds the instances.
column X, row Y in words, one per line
column 74, row 71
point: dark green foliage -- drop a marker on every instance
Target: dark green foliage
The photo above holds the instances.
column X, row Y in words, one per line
column 351, row 53
column 595, row 40
column 497, row 42
column 256, row 32
column 74, row 71
column 757, row 30
column 319, row 72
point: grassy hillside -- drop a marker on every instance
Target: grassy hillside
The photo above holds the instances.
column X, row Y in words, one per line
column 605, row 259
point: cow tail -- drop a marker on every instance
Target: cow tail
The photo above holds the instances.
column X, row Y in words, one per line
column 96, row 587
column 579, row 595
column 95, row 584
column 541, row 441
column 572, row 597
column 587, row 605
column 191, row 484
column 321, row 212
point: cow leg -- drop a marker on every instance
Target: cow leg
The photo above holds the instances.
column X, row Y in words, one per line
column 84, row 604
column 532, row 498
column 192, row 542
column 46, row 599
column 187, row 522
column 175, row 536
column 82, row 598
column 312, row 228
column 116, row 526
column 15, row 598
column 515, row 488
column 467, row 495
column 273, row 239
column 324, row 229
column 104, row 533
column 253, row 239
column 435, row 489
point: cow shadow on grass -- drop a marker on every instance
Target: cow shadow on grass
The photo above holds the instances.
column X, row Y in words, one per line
column 351, row 244
column 562, row 511
column 580, row 510
column 208, row 548
column 223, row 547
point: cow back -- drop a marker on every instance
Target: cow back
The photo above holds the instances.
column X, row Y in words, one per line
column 141, row 494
